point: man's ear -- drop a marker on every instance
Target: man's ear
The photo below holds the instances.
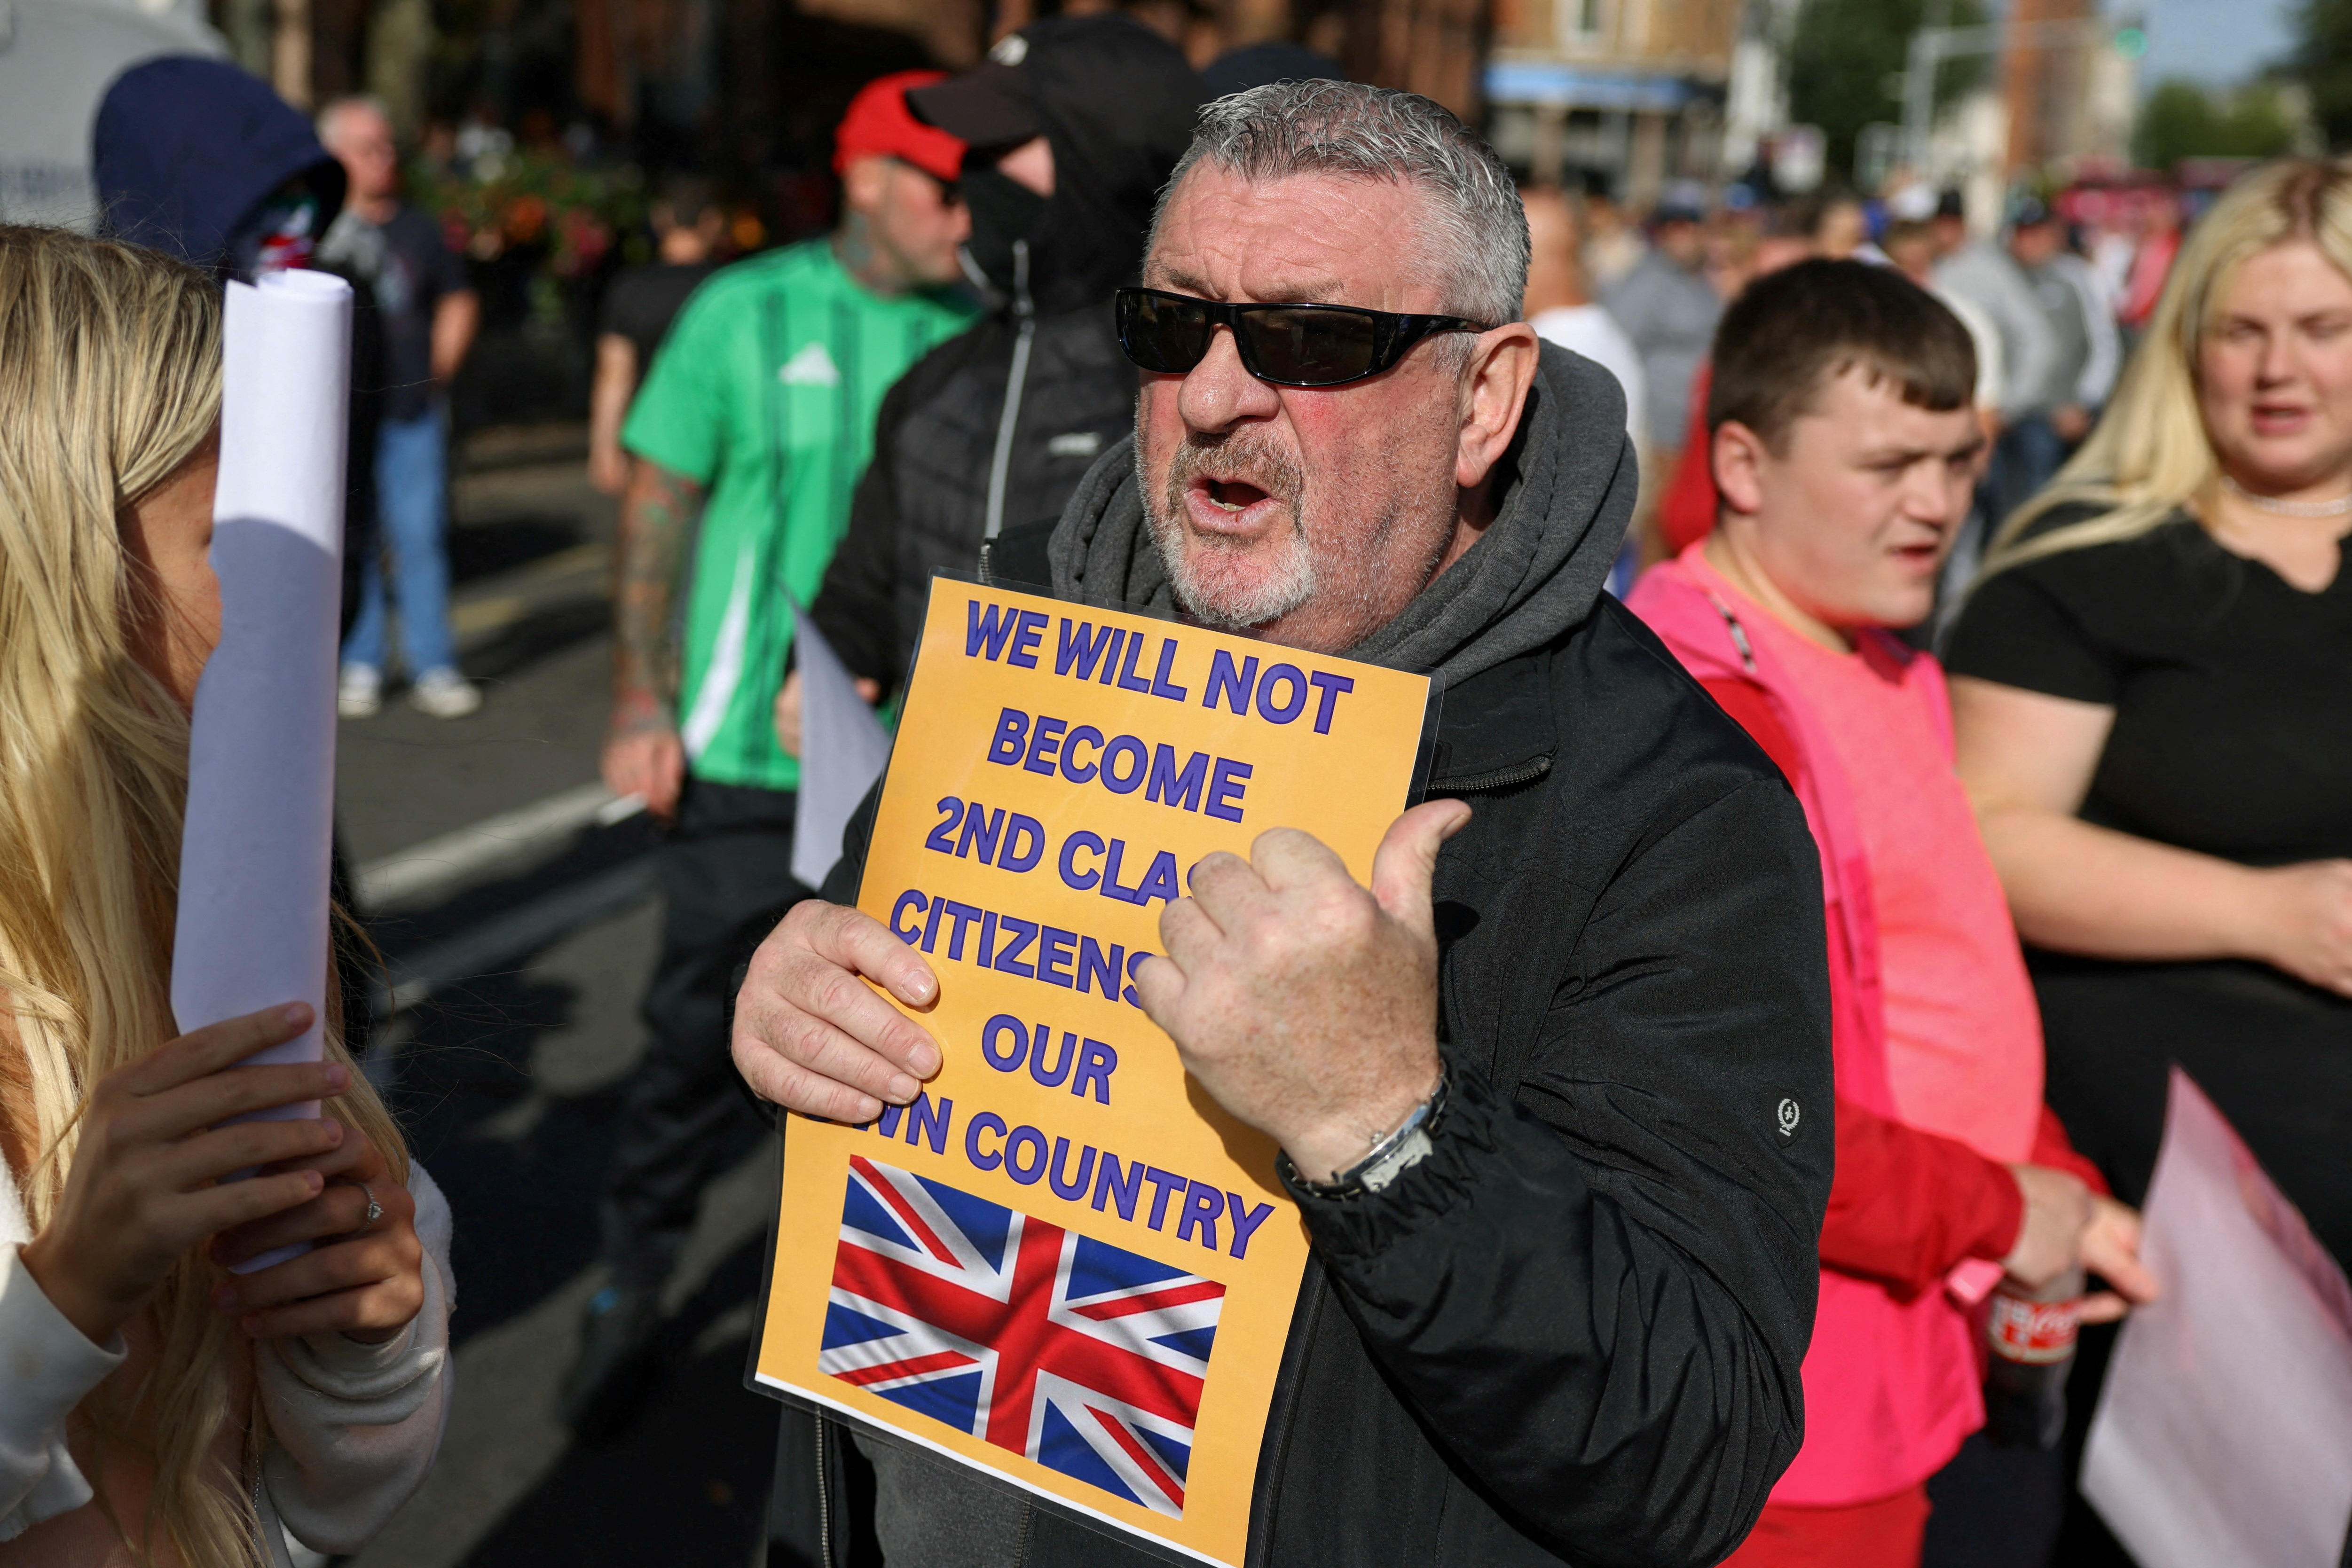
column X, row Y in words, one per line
column 863, row 182
column 1738, row 455
column 1494, row 391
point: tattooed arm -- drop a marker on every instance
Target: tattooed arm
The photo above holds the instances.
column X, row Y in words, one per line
column 642, row 752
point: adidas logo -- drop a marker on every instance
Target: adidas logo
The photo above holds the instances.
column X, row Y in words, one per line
column 812, row 367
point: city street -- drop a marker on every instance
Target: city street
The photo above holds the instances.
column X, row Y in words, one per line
column 514, row 904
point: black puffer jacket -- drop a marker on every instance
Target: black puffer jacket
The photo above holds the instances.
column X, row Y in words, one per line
column 1571, row 1334
column 998, row 425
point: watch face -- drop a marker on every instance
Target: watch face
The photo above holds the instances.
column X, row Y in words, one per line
column 1411, row 1152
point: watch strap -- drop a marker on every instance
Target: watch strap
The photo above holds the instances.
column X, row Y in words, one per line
column 1399, row 1152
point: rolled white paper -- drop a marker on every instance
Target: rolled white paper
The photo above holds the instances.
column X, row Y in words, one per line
column 255, row 853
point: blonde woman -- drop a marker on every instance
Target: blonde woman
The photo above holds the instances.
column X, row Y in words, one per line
column 157, row 1408
column 2152, row 687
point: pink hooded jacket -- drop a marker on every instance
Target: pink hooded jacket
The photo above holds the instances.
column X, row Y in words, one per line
column 1893, row 1385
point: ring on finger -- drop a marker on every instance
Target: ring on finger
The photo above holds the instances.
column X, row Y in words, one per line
column 374, row 1209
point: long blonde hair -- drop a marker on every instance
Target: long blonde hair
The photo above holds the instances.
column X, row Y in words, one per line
column 110, row 374
column 2150, row 455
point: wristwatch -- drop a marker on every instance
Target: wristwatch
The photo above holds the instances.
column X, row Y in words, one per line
column 1402, row 1149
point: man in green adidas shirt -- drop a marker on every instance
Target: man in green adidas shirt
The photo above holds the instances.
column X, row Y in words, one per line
column 759, row 411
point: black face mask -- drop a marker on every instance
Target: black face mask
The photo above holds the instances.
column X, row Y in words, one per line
column 1004, row 211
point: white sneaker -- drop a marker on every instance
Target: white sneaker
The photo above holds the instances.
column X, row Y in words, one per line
column 360, row 694
column 445, row 693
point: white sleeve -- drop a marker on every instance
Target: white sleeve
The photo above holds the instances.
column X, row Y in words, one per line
column 1990, row 386
column 1625, row 362
column 354, row 1427
column 2106, row 355
column 2026, row 343
column 50, row 1366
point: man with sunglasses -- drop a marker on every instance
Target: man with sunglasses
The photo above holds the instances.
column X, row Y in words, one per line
column 1553, row 1092
column 753, row 424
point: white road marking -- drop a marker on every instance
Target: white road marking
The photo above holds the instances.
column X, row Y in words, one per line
column 423, row 872
column 482, row 948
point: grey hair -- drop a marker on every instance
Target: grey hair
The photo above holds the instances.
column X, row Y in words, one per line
column 1474, row 226
column 333, row 109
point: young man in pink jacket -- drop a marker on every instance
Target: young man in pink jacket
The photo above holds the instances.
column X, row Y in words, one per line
column 1845, row 444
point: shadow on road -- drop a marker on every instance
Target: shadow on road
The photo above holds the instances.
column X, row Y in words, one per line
column 483, row 549
column 509, row 1084
column 686, row 1483
column 516, row 647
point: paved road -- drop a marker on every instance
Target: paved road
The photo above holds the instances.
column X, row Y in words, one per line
column 521, row 950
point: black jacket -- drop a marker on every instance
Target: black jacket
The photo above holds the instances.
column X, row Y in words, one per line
column 1572, row 1333
column 1118, row 102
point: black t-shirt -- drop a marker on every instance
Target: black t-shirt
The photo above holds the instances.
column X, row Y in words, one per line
column 642, row 302
column 418, row 271
column 2232, row 688
column 2232, row 691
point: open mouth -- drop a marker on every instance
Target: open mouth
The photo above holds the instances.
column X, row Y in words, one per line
column 1232, row 495
column 1231, row 506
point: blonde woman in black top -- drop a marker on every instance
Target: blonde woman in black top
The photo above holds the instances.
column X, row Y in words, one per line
column 2152, row 687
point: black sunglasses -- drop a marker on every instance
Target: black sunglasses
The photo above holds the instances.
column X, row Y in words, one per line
column 1289, row 345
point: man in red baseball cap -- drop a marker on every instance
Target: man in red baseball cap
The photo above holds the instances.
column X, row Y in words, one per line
column 758, row 413
column 880, row 125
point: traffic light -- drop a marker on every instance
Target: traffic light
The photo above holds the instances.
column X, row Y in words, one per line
column 2131, row 42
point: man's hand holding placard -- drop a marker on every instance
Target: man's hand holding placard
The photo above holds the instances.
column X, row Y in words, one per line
column 1305, row 1003
column 811, row 1037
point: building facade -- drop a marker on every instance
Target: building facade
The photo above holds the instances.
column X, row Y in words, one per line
column 1636, row 92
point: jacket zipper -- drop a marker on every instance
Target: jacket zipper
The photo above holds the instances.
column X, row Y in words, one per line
column 1500, row 778
column 1001, row 464
column 1738, row 633
column 273, row 1551
column 824, row 1502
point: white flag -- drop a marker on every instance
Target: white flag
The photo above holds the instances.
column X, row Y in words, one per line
column 844, row 749
column 2224, row 1433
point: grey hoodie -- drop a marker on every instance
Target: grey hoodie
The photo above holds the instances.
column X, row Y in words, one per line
column 1538, row 570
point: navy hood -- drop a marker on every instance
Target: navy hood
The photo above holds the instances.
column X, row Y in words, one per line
column 186, row 148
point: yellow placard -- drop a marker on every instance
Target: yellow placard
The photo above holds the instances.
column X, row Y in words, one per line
column 1065, row 1264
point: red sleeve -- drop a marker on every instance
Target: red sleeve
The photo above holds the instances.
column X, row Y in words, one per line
column 1905, row 1206
column 2052, row 1147
column 1751, row 707
column 1686, row 511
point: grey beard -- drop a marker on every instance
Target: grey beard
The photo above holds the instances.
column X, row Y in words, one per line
column 1290, row 580
column 1355, row 583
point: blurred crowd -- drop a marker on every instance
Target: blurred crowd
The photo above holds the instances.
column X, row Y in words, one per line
column 2053, row 298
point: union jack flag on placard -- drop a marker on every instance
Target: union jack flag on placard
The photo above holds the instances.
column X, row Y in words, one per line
column 1084, row 1357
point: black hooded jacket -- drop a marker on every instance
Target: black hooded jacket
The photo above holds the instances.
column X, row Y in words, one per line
column 1020, row 406
column 1572, row 1333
